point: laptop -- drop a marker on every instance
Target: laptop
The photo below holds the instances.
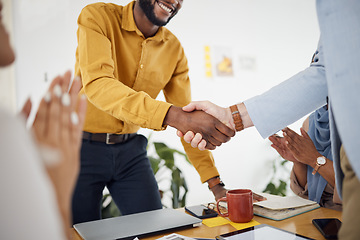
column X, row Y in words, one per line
column 136, row 225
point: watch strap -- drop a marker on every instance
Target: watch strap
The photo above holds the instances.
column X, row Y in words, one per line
column 317, row 166
column 237, row 119
column 215, row 181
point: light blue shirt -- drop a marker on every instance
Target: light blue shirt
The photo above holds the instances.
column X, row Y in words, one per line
column 334, row 73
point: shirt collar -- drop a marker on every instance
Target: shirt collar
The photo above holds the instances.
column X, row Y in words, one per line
column 128, row 23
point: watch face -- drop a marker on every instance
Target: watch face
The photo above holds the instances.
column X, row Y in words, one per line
column 321, row 160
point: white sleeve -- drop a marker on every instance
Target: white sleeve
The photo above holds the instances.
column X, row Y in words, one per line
column 28, row 203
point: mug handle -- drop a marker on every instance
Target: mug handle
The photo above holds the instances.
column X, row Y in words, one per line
column 223, row 199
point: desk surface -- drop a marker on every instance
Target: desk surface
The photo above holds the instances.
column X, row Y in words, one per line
column 300, row 224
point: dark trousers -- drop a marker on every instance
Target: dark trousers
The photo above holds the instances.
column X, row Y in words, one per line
column 124, row 169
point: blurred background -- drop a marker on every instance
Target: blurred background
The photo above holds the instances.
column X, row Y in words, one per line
column 236, row 49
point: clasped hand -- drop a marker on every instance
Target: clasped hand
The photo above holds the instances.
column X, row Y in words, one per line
column 205, row 125
column 294, row 147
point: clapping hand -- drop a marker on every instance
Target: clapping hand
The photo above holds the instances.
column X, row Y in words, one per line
column 278, row 143
column 58, row 129
column 301, row 146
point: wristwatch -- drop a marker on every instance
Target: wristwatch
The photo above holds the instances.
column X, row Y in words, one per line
column 215, row 181
column 320, row 161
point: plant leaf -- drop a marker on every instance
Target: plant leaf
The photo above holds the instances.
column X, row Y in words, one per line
column 165, row 153
column 155, row 164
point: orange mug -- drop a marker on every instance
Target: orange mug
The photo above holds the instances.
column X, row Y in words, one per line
column 239, row 205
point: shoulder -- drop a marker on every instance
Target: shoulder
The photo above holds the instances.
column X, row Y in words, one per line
column 169, row 36
column 100, row 16
column 100, row 6
column 172, row 42
column 101, row 9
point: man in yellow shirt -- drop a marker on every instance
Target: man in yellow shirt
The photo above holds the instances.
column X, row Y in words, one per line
column 125, row 58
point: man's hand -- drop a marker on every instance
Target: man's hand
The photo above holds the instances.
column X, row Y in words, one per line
column 211, row 129
column 222, row 114
column 218, row 191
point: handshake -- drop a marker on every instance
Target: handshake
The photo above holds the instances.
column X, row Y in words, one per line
column 203, row 124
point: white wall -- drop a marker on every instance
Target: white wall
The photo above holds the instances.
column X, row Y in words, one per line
column 280, row 35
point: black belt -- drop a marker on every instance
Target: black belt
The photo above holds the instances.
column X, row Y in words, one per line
column 108, row 138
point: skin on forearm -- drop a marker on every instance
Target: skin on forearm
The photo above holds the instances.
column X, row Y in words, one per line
column 223, row 115
column 305, row 152
column 245, row 117
column 300, row 171
column 327, row 172
column 63, row 197
column 218, row 192
column 173, row 117
column 66, row 218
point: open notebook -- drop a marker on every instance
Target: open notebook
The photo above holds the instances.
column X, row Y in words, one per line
column 136, row 225
column 279, row 208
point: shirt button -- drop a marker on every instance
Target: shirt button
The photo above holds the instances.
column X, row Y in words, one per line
column 142, row 66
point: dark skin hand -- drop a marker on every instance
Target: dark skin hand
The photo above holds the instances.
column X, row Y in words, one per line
column 302, row 147
column 279, row 144
column 305, row 151
column 213, row 131
column 301, row 150
column 218, row 191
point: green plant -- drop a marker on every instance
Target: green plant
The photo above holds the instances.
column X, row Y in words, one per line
column 109, row 208
column 162, row 160
column 272, row 187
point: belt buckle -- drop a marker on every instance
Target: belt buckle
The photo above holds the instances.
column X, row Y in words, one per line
column 108, row 139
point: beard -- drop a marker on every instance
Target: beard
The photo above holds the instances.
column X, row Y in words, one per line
column 148, row 9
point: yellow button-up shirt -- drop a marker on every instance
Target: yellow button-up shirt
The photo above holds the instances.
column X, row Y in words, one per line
column 123, row 72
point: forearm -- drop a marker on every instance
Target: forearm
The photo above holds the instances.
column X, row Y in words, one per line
column 217, row 187
column 327, row 172
column 245, row 117
column 274, row 109
column 63, row 196
column 228, row 116
column 125, row 104
column 65, row 211
column 173, row 117
column 300, row 171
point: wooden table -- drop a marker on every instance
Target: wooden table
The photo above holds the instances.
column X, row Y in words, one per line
column 300, row 224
